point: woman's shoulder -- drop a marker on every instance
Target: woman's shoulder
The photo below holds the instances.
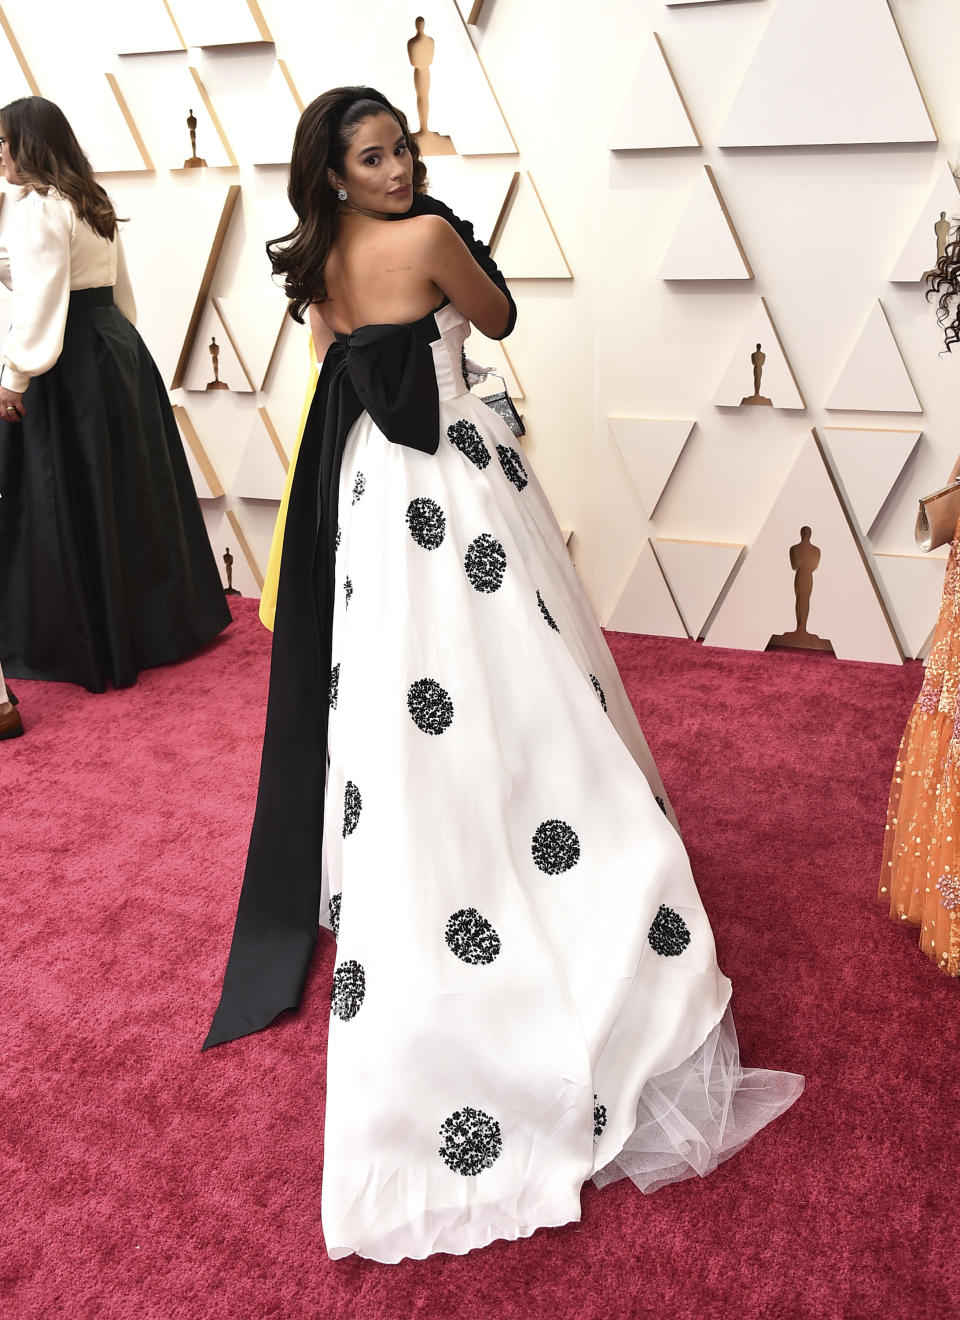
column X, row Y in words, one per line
column 50, row 205
column 421, row 231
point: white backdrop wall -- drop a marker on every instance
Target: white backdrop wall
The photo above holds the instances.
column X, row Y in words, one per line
column 822, row 223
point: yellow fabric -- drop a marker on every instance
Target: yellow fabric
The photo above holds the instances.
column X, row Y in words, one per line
column 268, row 597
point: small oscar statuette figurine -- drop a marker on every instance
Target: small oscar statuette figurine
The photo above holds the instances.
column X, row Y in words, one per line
column 942, row 231
column 216, row 383
column 229, row 589
column 756, row 399
column 804, row 560
column 420, row 50
column 194, row 162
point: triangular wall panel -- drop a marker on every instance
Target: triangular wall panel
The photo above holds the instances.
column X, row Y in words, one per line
column 475, row 190
column 206, row 482
column 200, row 370
column 220, row 22
column 844, row 607
column 262, row 474
column 777, row 381
column 653, row 114
column 706, row 245
column 697, row 573
column 913, row 585
column 253, row 322
column 868, row 464
column 650, row 448
column 875, row 377
column 645, row 604
column 932, row 228
column 827, row 73
column 226, row 533
column 525, row 246
column 255, row 101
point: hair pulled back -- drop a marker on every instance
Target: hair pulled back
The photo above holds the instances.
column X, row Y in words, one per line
column 323, row 135
column 47, row 155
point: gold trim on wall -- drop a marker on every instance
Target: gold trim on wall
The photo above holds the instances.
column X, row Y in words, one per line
column 19, row 55
column 131, row 123
column 203, row 293
column 189, row 434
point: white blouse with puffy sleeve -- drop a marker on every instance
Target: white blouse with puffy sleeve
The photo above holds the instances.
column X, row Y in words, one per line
column 48, row 251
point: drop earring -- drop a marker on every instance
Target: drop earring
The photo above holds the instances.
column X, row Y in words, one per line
column 341, row 194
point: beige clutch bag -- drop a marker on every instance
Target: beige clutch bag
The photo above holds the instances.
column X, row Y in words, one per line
column 938, row 517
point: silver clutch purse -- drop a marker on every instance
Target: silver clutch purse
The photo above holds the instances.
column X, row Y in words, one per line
column 503, row 406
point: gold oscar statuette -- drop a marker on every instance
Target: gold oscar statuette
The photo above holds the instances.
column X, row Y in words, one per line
column 193, row 162
column 216, row 383
column 804, row 560
column 756, row 399
column 420, row 50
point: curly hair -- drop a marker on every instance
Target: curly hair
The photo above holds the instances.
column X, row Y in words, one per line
column 943, row 283
column 323, row 135
column 47, row 155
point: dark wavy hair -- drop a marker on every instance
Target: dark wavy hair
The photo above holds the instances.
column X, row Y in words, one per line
column 943, row 283
column 323, row 135
column 47, row 155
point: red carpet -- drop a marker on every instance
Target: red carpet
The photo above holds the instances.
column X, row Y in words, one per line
column 139, row 1179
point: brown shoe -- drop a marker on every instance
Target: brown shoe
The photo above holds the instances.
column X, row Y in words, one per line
column 10, row 696
column 11, row 725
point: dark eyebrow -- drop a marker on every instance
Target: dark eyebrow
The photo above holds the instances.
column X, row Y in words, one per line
column 377, row 147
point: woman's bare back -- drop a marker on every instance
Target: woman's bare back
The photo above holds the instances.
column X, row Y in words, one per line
column 376, row 274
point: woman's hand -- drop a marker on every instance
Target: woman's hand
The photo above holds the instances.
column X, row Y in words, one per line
column 11, row 405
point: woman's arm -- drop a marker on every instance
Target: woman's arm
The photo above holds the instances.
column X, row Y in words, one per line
column 448, row 262
column 321, row 332
column 40, row 265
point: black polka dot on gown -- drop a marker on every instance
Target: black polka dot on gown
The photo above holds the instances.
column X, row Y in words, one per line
column 338, row 536
column 471, row 937
column 426, row 522
column 347, row 590
column 669, row 934
column 599, row 691
column 469, row 441
column 546, row 613
column 512, row 465
column 661, row 804
column 359, row 486
column 352, row 802
column 555, row 847
column 335, row 914
column 430, row 706
column 485, row 563
column 334, row 685
column 471, row 1141
column 599, row 1116
column 349, row 990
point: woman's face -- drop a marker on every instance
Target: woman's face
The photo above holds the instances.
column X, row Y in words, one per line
column 377, row 167
column 6, row 159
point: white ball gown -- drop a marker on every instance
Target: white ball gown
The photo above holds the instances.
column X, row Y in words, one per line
column 526, row 992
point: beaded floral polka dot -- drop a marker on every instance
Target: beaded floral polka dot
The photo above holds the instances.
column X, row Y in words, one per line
column 555, row 847
column 359, row 486
column 669, row 934
column 334, row 685
column 546, row 613
column 599, row 691
column 347, row 591
column 334, row 906
column 426, row 523
column 471, row 937
column 512, row 466
column 485, row 563
column 949, row 887
column 471, row 1141
column 599, row 1116
column 430, row 706
column 469, row 441
column 661, row 804
column 352, row 802
column 338, row 536
column 349, row 990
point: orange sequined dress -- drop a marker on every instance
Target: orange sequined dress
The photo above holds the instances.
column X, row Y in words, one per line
column 921, row 856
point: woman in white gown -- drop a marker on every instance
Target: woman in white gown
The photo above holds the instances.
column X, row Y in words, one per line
column 526, row 992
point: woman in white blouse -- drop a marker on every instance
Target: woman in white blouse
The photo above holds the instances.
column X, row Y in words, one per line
column 105, row 566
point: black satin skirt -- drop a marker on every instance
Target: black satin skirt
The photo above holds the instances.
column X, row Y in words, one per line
column 105, row 564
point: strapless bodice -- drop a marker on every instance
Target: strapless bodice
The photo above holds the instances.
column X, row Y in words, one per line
column 448, row 351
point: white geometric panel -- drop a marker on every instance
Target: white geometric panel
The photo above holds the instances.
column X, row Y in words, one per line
column 219, row 22
column 645, row 604
column 493, row 353
column 650, row 447
column 698, row 572
column 140, row 28
column 474, row 190
column 868, row 463
column 939, row 214
column 161, row 91
column 226, row 533
column 675, row 4
column 525, row 246
column 875, row 377
column 654, row 114
column 844, row 607
column 828, row 73
column 200, row 369
column 262, row 474
column 913, row 585
column 16, row 77
column 207, row 483
column 255, row 100
column 706, row 245
column 253, row 322
column 777, row 381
